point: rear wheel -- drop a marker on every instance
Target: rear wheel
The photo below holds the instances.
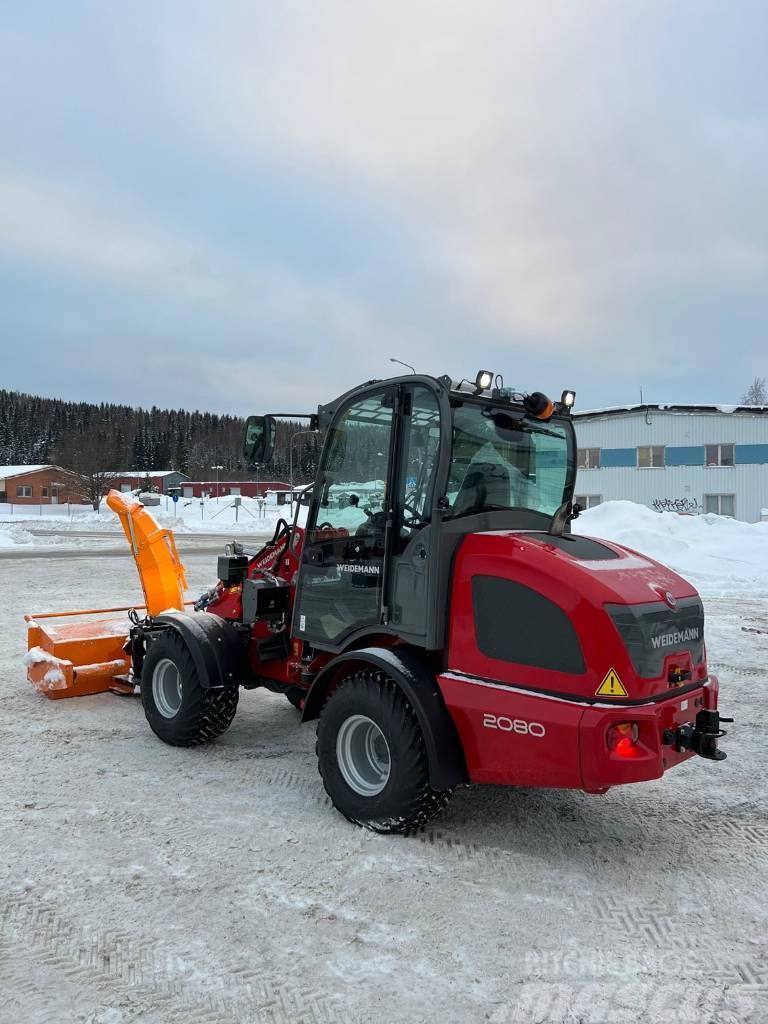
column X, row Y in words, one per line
column 372, row 756
column 178, row 708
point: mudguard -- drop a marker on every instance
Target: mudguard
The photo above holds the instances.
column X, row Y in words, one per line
column 214, row 644
column 447, row 767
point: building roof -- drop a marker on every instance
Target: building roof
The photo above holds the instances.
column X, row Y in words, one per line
column 286, row 488
column 6, row 471
column 151, row 473
column 619, row 410
column 223, row 482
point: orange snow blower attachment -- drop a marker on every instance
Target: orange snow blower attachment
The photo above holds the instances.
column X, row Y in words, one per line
column 161, row 572
column 72, row 660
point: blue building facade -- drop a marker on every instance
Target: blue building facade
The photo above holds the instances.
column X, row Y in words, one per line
column 687, row 458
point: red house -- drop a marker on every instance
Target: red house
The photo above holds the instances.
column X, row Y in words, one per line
column 38, row 485
column 227, row 488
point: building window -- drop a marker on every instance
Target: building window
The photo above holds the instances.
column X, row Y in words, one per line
column 22, row 491
column 721, row 504
column 588, row 458
column 587, row 500
column 719, row 455
column 650, row 456
column 44, row 492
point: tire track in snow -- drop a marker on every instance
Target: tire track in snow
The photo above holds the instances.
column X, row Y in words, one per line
column 111, row 961
column 739, row 670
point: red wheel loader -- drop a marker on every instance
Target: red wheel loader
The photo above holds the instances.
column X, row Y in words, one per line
column 434, row 614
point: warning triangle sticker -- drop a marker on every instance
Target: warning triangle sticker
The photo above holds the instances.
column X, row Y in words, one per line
column 611, row 686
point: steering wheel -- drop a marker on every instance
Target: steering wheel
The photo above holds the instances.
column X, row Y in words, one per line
column 326, row 526
column 416, row 517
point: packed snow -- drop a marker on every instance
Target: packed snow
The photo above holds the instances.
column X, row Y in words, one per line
column 142, row 882
column 720, row 556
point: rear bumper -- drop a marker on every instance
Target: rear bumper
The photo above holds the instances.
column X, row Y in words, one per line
column 517, row 737
column 657, row 748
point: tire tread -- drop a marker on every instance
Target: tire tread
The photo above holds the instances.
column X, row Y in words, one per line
column 207, row 712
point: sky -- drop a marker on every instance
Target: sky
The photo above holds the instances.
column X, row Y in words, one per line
column 251, row 207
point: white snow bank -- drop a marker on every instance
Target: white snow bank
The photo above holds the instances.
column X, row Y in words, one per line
column 189, row 517
column 721, row 557
column 12, row 535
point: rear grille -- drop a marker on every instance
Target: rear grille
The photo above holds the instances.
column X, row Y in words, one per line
column 653, row 631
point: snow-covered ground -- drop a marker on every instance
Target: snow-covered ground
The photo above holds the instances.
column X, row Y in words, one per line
column 188, row 516
column 143, row 883
column 101, row 531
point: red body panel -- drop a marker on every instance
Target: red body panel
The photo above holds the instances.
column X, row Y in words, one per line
column 515, row 738
column 580, row 589
column 512, row 734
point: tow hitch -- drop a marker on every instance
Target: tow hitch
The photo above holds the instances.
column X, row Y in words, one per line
column 700, row 738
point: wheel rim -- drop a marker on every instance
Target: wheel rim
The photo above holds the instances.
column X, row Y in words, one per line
column 363, row 755
column 166, row 688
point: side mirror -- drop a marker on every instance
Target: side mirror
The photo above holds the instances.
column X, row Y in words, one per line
column 259, row 440
column 576, row 511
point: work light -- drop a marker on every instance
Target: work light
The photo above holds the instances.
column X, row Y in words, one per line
column 484, row 379
column 568, row 398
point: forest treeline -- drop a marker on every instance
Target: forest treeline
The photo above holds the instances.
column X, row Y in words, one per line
column 108, row 438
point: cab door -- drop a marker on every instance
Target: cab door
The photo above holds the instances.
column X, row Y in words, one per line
column 349, row 530
column 413, row 535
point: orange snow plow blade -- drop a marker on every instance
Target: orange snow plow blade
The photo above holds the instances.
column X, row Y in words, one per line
column 76, row 659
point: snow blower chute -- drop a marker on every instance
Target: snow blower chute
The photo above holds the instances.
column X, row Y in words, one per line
column 66, row 659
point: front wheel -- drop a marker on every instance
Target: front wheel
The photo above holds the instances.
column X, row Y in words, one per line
column 178, row 708
column 372, row 756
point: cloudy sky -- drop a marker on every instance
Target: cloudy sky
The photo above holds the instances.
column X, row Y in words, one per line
column 245, row 206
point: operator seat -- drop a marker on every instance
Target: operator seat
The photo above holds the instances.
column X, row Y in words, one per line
column 485, row 483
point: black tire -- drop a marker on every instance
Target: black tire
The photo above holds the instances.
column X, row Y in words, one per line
column 407, row 800
column 202, row 714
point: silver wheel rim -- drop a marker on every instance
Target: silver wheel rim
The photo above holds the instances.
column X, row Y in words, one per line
column 362, row 753
column 166, row 688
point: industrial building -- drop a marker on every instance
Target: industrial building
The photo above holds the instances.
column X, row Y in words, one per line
column 684, row 458
column 162, row 481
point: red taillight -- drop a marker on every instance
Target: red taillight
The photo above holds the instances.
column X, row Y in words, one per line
column 622, row 739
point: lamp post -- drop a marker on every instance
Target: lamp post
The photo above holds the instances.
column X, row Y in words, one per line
column 298, row 433
column 217, row 468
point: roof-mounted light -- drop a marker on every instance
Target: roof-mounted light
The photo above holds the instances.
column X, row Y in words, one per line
column 538, row 405
column 483, row 380
column 568, row 398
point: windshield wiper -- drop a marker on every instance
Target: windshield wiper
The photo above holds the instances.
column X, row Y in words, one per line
column 503, row 421
column 529, row 428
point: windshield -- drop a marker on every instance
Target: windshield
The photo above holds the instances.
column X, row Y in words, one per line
column 501, row 460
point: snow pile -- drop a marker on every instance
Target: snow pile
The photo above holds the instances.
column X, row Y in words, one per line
column 12, row 535
column 721, row 557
